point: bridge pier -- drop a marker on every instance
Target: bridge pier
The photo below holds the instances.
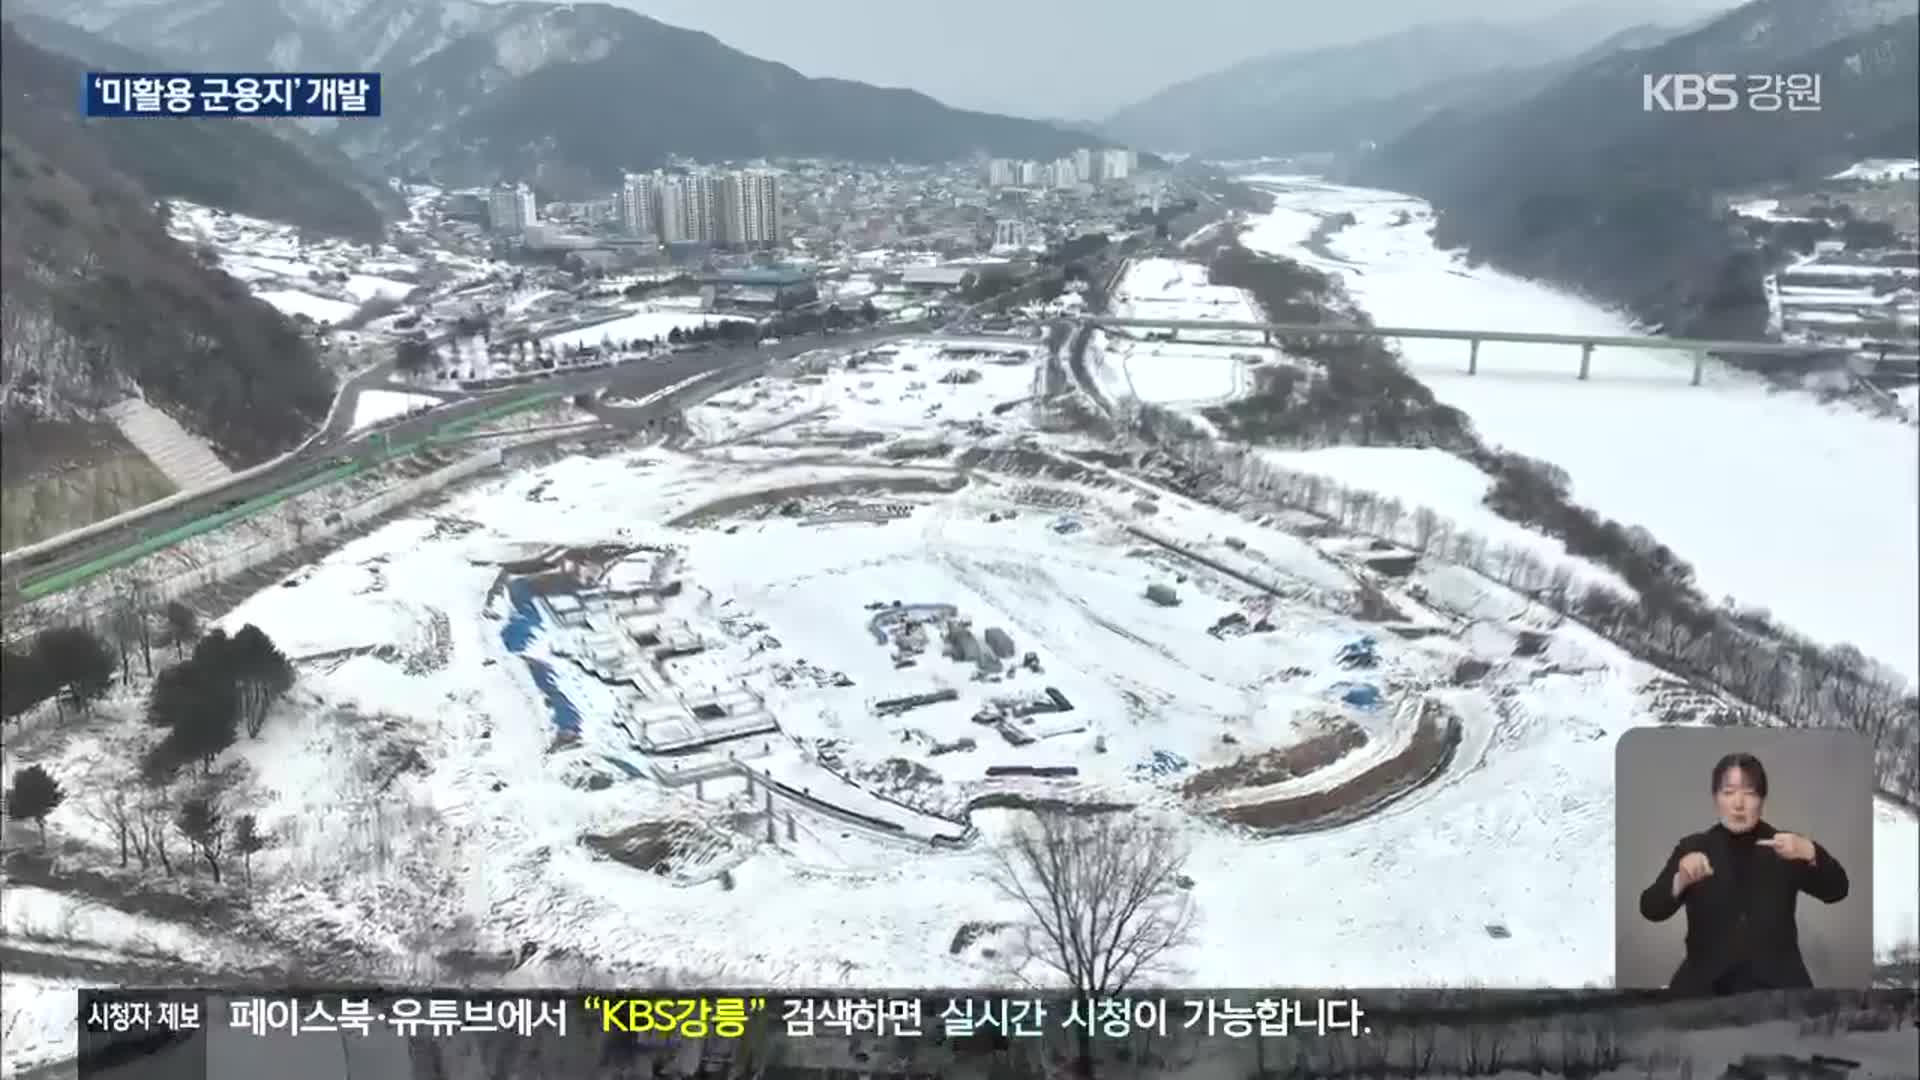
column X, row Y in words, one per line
column 1473, row 357
column 1586, row 359
column 1699, row 366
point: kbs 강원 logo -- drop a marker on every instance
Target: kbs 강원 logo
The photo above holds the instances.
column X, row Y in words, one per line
column 1720, row 92
column 1689, row 93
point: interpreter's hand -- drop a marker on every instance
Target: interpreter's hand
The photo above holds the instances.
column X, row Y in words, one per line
column 1694, row 866
column 1791, row 846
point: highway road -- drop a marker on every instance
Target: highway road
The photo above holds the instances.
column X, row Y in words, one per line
column 338, row 444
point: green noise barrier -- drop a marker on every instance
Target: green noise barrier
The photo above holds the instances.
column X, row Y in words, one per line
column 62, row 580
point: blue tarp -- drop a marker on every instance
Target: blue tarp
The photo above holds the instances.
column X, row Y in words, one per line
column 1162, row 763
column 566, row 716
column 1363, row 652
column 525, row 618
column 1361, row 696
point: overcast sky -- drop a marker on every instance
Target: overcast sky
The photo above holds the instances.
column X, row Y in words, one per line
column 1066, row 59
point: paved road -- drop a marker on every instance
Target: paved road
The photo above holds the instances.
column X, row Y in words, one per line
column 338, row 444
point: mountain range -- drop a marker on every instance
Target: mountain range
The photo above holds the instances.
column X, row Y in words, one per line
column 99, row 302
column 568, row 95
column 1342, row 97
column 1577, row 182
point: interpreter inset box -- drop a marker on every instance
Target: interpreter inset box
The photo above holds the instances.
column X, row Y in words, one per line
column 1743, row 860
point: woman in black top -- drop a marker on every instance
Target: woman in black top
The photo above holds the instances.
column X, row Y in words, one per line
column 1739, row 882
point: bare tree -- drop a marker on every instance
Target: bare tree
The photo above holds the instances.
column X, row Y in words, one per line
column 1105, row 895
column 113, row 809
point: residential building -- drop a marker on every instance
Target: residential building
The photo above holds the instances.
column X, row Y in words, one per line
column 510, row 209
column 1009, row 234
column 639, row 199
column 1083, row 163
column 688, row 208
column 1116, row 164
column 751, row 209
column 1002, row 172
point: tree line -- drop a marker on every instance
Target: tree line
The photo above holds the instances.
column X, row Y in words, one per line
column 1359, row 394
column 218, row 688
column 1665, row 619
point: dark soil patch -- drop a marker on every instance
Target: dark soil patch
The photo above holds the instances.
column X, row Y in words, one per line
column 865, row 485
column 971, row 932
column 1285, row 763
column 1007, row 800
column 654, row 846
column 1430, row 751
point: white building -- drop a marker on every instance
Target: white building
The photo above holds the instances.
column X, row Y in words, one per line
column 751, row 209
column 1066, row 173
column 1116, row 164
column 689, row 208
column 639, row 199
column 1083, row 163
column 1002, row 172
column 510, row 209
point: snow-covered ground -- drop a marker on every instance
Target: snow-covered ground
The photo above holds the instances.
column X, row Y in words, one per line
column 1450, row 487
column 424, row 794
column 899, row 388
column 377, row 406
column 1805, row 509
column 1881, row 170
column 1197, row 368
column 318, row 308
column 480, row 839
column 646, row 323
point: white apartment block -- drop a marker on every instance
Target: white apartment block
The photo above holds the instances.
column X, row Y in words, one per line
column 639, row 198
column 510, row 208
column 751, row 208
column 689, row 206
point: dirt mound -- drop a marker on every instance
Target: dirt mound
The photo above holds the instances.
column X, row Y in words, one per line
column 662, row 847
column 1311, row 754
column 1426, row 755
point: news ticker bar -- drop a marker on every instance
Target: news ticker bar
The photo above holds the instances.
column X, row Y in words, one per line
column 271, row 94
column 105, row 1016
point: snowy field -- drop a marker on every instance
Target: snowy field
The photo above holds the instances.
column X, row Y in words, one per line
column 318, row 308
column 650, row 322
column 482, row 841
column 1881, row 170
column 902, row 388
column 379, row 406
column 1199, row 368
column 1450, row 487
column 1751, row 481
column 464, row 764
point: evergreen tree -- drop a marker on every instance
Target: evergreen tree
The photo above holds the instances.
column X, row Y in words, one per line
column 247, row 842
column 33, row 795
column 79, row 664
column 27, row 683
column 200, row 822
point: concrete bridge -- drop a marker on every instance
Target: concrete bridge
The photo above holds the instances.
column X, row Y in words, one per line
column 1323, row 333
